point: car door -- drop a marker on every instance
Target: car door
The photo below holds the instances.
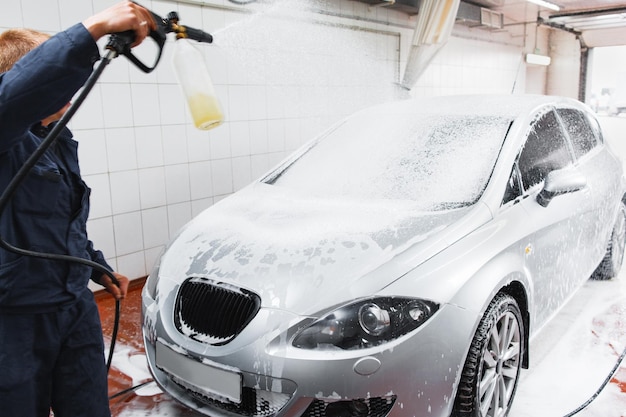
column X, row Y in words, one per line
column 598, row 166
column 555, row 231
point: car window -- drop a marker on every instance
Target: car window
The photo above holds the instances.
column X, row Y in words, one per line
column 595, row 126
column 546, row 150
column 513, row 187
column 580, row 132
column 436, row 161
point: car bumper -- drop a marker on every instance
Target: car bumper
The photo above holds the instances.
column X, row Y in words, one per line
column 261, row 374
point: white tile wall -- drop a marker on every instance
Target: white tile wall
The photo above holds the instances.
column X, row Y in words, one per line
column 152, row 187
column 563, row 72
column 177, row 216
column 280, row 81
column 177, row 188
column 11, row 15
column 43, row 15
column 200, row 180
column 128, row 230
column 124, row 191
column 149, row 142
column 121, row 149
column 154, row 236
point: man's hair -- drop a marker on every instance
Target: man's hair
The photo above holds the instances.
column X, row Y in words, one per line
column 15, row 43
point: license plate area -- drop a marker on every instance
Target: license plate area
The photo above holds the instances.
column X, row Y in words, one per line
column 210, row 380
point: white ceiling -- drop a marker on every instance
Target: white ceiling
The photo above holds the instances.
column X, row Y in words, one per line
column 600, row 22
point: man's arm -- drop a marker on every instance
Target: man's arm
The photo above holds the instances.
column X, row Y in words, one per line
column 43, row 81
column 119, row 18
column 98, row 277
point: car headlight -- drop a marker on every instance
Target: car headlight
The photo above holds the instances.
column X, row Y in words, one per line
column 366, row 323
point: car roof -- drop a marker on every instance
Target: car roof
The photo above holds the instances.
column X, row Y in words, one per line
column 509, row 106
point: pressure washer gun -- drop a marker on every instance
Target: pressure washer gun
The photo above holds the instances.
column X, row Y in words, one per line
column 189, row 65
column 120, row 43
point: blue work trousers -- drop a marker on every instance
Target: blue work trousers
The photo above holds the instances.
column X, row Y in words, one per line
column 53, row 360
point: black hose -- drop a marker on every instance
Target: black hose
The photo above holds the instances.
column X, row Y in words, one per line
column 599, row 390
column 21, row 174
column 131, row 389
column 116, row 326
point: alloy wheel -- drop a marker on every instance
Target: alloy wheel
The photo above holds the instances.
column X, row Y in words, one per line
column 500, row 366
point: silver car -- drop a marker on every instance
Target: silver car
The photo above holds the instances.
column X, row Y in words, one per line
column 395, row 266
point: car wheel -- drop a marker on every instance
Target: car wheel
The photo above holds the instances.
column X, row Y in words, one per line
column 614, row 256
column 491, row 370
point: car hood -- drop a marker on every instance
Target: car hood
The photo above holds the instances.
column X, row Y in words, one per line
column 299, row 253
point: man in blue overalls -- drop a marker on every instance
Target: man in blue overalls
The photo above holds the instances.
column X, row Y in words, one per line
column 51, row 346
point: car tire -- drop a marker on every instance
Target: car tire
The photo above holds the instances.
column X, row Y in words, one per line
column 614, row 256
column 490, row 374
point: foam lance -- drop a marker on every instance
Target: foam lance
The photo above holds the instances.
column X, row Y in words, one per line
column 193, row 76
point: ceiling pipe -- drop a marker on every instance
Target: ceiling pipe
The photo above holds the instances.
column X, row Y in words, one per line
column 584, row 54
column 242, row 2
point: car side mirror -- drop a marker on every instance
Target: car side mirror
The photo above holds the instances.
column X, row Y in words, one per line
column 561, row 181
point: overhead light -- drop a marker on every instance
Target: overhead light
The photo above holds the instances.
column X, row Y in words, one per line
column 545, row 4
column 435, row 21
column 385, row 3
column 536, row 59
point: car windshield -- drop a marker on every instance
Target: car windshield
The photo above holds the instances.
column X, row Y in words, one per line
column 438, row 161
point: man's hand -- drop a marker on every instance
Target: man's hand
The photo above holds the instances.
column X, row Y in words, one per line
column 119, row 18
column 118, row 292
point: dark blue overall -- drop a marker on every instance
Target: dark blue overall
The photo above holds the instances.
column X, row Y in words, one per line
column 51, row 347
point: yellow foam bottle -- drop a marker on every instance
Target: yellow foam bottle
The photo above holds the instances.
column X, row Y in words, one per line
column 205, row 111
column 197, row 86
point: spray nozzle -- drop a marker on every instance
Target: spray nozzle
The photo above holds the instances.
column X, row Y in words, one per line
column 120, row 43
column 186, row 31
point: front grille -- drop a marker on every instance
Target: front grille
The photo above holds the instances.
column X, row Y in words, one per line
column 370, row 407
column 213, row 313
column 254, row 403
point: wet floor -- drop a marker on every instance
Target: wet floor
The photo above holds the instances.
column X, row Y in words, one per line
column 572, row 357
column 569, row 359
column 129, row 367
